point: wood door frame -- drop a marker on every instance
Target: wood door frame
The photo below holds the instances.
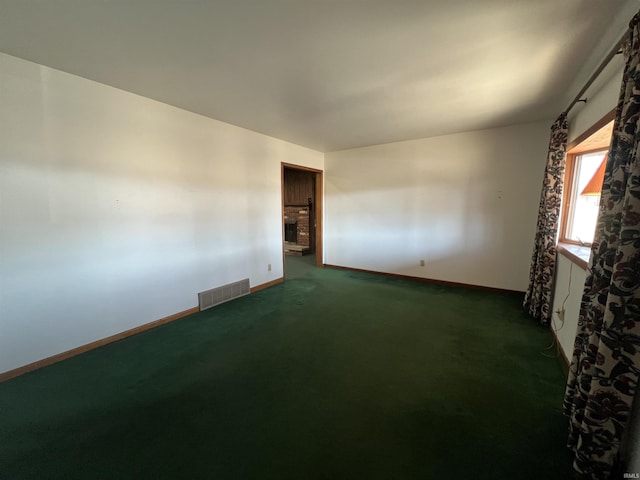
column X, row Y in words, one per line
column 318, row 207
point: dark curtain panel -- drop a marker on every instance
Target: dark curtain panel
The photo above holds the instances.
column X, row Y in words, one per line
column 606, row 359
column 537, row 300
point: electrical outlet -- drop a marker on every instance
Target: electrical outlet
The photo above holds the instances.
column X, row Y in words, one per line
column 560, row 312
column 422, row 263
column 269, row 267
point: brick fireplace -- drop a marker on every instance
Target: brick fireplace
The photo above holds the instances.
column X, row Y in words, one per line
column 298, row 192
column 298, row 216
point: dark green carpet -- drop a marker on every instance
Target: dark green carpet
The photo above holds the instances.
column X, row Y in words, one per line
column 332, row 375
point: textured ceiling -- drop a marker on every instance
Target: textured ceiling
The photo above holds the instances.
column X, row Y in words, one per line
column 329, row 74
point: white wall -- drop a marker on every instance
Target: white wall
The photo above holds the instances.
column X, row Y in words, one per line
column 466, row 203
column 602, row 97
column 115, row 210
column 568, row 294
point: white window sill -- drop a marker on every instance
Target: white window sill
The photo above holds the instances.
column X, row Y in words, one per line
column 576, row 253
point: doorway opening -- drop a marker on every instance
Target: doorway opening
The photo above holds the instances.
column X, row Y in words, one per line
column 302, row 213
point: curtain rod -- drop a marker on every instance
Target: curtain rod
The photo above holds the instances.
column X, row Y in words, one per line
column 614, row 51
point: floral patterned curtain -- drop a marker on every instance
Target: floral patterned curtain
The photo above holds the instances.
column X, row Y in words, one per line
column 537, row 300
column 606, row 359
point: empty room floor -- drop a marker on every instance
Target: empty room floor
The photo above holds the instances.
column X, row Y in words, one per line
column 331, row 375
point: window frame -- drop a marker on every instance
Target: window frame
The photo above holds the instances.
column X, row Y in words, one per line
column 574, row 150
column 568, row 196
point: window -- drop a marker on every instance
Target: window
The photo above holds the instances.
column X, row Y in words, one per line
column 586, row 162
column 584, row 197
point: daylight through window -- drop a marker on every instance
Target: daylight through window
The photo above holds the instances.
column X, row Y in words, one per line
column 583, row 205
column 586, row 161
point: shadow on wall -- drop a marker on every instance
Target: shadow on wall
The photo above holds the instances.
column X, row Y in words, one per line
column 466, row 203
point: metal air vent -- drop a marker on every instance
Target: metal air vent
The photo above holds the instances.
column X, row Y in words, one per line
column 218, row 295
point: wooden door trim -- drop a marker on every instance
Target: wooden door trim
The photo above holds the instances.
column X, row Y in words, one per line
column 319, row 214
column 299, row 167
